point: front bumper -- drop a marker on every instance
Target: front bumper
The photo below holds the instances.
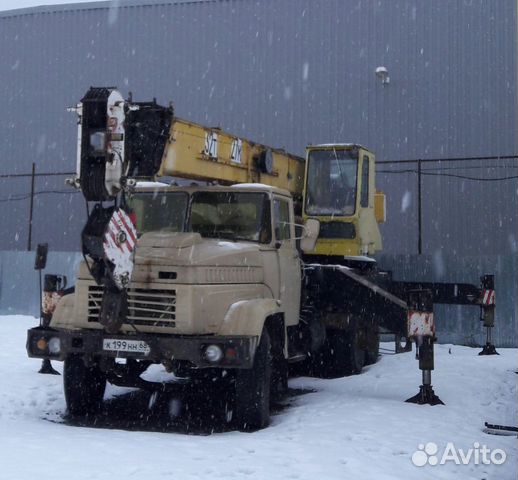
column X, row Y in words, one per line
column 238, row 350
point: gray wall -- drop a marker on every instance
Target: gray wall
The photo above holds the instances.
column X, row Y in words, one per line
column 19, row 282
column 284, row 73
column 460, row 325
column 456, row 323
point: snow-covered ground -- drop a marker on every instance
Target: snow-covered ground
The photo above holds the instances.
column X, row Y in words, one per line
column 355, row 427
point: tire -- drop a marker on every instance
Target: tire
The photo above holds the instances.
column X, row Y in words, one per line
column 354, row 352
column 84, row 386
column 252, row 400
column 373, row 347
column 340, row 355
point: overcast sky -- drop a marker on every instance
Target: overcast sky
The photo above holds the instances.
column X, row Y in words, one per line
column 12, row 4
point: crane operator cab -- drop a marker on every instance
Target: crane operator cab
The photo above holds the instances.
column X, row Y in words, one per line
column 339, row 192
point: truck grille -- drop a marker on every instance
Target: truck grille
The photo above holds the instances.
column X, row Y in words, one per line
column 150, row 307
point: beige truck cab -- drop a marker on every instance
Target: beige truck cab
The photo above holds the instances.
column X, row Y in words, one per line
column 216, row 284
column 219, row 259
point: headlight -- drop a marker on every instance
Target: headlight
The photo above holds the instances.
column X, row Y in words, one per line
column 54, row 345
column 213, row 353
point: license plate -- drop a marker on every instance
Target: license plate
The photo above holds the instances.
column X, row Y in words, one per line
column 131, row 346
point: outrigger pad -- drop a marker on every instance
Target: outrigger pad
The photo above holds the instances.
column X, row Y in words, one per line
column 426, row 396
column 489, row 349
column 47, row 368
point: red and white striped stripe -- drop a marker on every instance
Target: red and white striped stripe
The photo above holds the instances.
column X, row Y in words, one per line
column 488, row 297
column 120, row 223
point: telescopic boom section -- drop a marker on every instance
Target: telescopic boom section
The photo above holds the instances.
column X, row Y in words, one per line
column 209, row 154
column 121, row 141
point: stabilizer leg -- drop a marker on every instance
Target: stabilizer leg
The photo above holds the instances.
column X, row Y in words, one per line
column 421, row 327
column 489, row 348
column 487, row 305
column 426, row 394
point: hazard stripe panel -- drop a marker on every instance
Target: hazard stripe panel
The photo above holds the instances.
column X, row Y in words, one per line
column 488, row 297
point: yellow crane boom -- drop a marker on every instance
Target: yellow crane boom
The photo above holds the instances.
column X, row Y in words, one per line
column 197, row 152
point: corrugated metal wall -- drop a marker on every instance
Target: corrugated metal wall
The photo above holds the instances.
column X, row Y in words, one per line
column 284, row 73
column 19, row 282
column 455, row 324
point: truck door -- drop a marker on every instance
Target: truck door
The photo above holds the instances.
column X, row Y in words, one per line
column 288, row 258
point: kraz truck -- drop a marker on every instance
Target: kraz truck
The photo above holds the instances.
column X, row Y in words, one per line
column 240, row 261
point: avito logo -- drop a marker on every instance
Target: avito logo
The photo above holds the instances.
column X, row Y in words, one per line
column 429, row 455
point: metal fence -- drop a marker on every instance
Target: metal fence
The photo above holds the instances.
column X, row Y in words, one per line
column 433, row 204
column 21, row 188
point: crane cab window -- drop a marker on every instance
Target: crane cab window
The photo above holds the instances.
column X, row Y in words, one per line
column 331, row 182
column 364, row 202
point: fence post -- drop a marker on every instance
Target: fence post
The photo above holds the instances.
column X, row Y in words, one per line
column 31, row 207
column 419, row 210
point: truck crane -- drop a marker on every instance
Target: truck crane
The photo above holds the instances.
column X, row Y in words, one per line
column 220, row 257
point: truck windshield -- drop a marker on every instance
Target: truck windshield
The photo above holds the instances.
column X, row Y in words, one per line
column 160, row 211
column 331, row 182
column 231, row 215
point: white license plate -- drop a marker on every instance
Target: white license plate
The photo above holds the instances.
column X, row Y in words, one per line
column 132, row 346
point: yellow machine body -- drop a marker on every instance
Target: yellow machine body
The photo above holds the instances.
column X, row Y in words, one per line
column 339, row 191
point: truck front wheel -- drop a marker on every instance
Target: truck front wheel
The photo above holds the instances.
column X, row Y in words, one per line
column 84, row 386
column 252, row 401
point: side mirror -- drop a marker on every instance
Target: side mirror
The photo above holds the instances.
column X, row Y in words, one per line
column 311, row 230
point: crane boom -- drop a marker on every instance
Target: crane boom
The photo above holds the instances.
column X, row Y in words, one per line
column 121, row 141
column 197, row 152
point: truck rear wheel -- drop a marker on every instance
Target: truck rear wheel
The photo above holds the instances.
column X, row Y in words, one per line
column 252, row 401
column 84, row 386
column 354, row 352
column 341, row 354
column 373, row 347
